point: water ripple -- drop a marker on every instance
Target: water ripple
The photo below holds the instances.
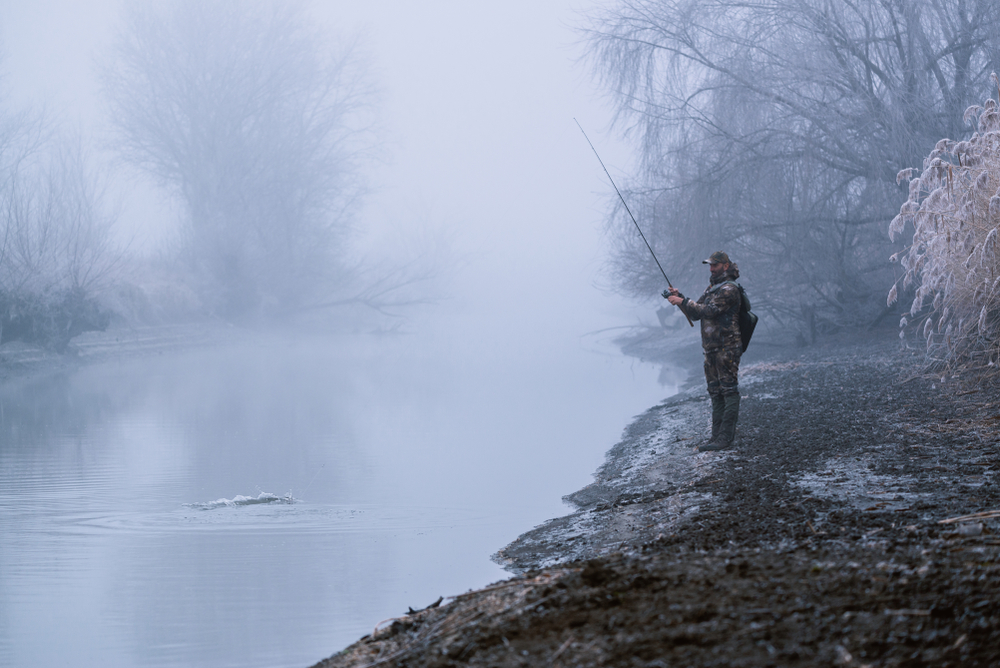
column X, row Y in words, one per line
column 268, row 513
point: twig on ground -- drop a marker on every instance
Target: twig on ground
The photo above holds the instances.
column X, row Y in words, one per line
column 390, row 619
column 985, row 515
column 562, row 648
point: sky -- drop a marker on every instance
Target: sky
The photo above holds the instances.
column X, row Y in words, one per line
column 480, row 151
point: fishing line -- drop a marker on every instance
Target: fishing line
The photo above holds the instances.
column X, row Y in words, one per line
column 634, row 222
column 315, row 475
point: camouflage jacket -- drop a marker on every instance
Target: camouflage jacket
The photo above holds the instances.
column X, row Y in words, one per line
column 719, row 311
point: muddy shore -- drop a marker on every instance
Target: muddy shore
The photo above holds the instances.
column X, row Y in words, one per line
column 855, row 523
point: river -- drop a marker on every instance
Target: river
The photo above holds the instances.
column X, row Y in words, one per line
column 266, row 503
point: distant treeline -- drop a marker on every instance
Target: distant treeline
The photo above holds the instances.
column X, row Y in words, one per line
column 252, row 120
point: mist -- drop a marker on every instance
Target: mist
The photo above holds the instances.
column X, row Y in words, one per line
column 478, row 159
column 258, row 479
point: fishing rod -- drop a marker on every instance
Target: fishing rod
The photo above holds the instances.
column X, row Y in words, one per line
column 629, row 211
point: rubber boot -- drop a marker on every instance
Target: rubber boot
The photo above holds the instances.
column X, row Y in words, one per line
column 730, row 415
column 730, row 412
column 718, row 408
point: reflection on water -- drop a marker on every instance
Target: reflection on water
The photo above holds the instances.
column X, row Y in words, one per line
column 267, row 503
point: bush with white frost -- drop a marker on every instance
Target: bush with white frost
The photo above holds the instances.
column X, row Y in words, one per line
column 952, row 264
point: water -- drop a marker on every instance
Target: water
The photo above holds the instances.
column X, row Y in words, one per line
column 267, row 503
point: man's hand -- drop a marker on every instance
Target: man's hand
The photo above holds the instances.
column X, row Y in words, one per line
column 673, row 296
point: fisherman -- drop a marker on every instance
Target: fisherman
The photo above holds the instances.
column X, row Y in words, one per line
column 718, row 309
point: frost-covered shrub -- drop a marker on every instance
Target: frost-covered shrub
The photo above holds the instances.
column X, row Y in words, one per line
column 50, row 320
column 952, row 263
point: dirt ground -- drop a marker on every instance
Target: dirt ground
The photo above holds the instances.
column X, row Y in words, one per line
column 855, row 523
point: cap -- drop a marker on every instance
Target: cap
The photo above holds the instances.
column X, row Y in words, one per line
column 718, row 257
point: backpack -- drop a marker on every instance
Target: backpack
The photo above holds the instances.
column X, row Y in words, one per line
column 747, row 319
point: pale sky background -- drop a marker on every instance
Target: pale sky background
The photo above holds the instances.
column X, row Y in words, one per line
column 477, row 105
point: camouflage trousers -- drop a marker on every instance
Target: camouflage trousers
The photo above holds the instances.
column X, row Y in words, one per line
column 722, row 369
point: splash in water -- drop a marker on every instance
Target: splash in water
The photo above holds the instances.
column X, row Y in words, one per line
column 240, row 500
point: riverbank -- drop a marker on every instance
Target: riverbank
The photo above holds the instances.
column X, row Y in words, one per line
column 19, row 359
column 832, row 533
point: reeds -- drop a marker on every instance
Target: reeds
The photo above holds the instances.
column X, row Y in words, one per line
column 952, row 262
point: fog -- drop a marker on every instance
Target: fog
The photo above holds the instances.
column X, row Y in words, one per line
column 363, row 248
column 397, row 447
column 478, row 157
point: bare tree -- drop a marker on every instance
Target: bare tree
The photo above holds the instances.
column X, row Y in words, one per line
column 241, row 110
column 775, row 129
column 57, row 226
column 57, row 243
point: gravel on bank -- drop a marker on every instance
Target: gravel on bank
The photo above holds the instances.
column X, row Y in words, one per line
column 855, row 523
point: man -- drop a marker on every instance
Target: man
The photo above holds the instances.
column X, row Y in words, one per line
column 719, row 311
